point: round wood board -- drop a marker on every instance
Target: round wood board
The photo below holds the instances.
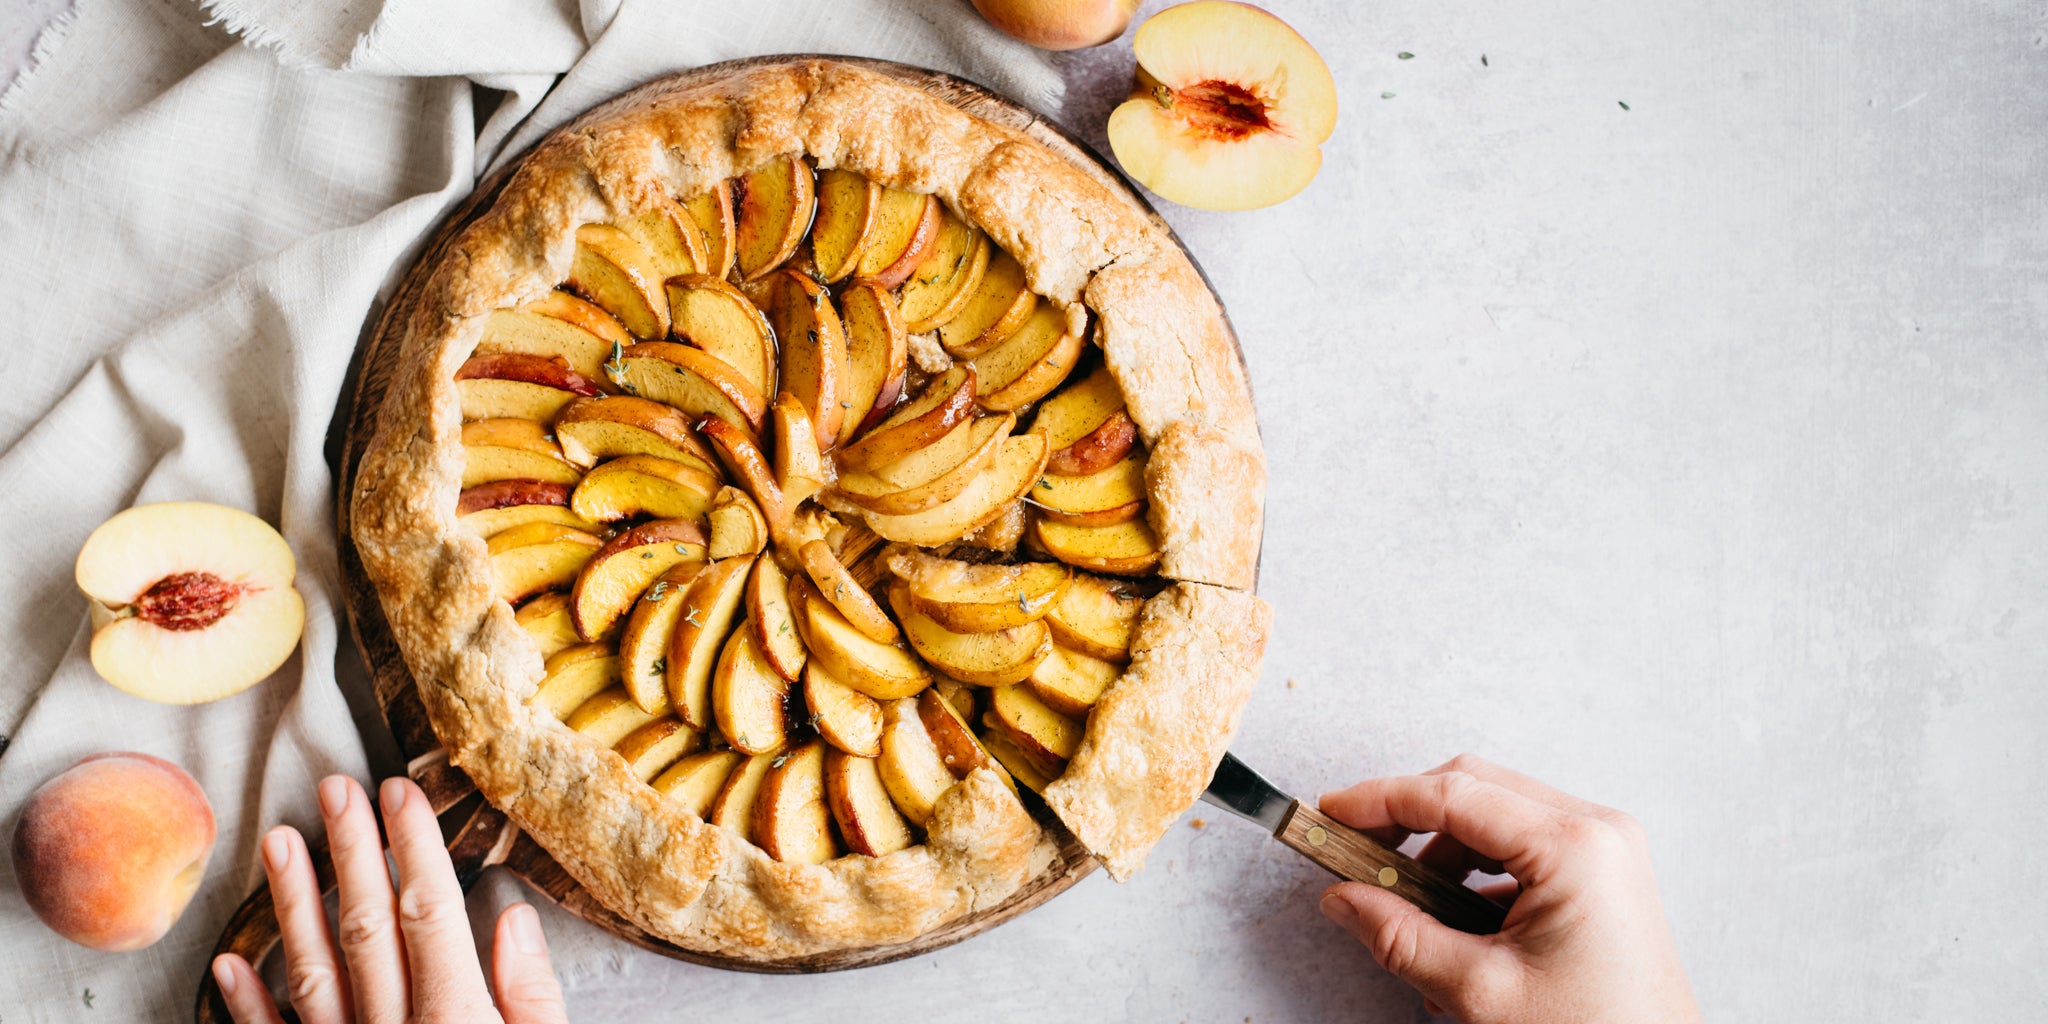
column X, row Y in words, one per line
column 481, row 836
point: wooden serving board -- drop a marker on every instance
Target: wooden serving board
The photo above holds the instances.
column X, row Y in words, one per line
column 479, row 835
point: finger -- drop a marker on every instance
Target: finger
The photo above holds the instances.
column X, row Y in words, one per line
column 1410, row 944
column 439, row 949
column 527, row 990
column 370, row 942
column 1514, row 781
column 248, row 1001
column 1511, row 829
column 314, row 978
column 1446, row 854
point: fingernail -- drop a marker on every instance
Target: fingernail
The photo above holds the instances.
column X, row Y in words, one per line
column 333, row 796
column 392, row 794
column 1337, row 909
column 524, row 925
column 277, row 850
column 224, row 976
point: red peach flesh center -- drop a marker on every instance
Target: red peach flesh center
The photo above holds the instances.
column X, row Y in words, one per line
column 1221, row 110
column 185, row 601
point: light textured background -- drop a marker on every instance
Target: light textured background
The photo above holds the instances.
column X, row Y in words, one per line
column 1693, row 457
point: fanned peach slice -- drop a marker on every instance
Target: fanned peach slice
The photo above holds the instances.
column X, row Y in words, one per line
column 697, row 382
column 814, row 367
column 985, row 659
column 835, row 584
column 1070, row 682
column 508, row 449
column 650, row 749
column 650, row 626
column 575, row 674
column 1085, row 424
column 733, row 808
column 876, row 351
column 518, row 385
column 488, row 509
column 967, row 597
column 846, row 215
column 906, row 227
column 868, row 820
column 546, row 621
column 695, row 781
column 593, row 429
column 642, row 485
column 847, row 718
column 626, row 566
column 1098, row 449
column 1014, row 470
column 744, row 461
column 704, row 622
column 526, row 560
column 958, row 747
column 791, row 821
column 614, row 271
column 1125, row 549
column 1047, row 736
column 747, row 696
column 1003, row 531
column 911, row 767
column 608, row 717
column 776, row 201
column 712, row 210
column 999, row 304
column 1033, row 361
column 714, row 316
column 941, row 285
column 769, row 612
column 673, row 243
column 946, row 401
column 1012, row 757
column 880, row 670
column 799, row 463
column 558, row 326
column 1114, row 495
column 737, row 526
column 965, row 699
column 1095, row 617
column 924, row 479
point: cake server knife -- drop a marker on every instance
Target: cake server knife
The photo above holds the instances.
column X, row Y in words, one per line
column 1347, row 852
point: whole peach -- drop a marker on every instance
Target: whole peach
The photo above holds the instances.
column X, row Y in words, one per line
column 1059, row 24
column 109, row 852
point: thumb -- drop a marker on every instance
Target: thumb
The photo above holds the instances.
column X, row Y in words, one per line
column 525, row 981
column 1444, row 964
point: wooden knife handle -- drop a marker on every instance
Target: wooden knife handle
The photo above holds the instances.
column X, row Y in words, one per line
column 1358, row 857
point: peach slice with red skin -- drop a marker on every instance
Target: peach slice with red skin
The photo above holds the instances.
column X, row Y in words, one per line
column 799, row 463
column 1016, row 467
column 692, row 380
column 190, row 601
column 574, row 675
column 616, row 575
column 776, row 203
column 1112, row 495
column 814, row 366
column 912, row 769
column 712, row 210
column 643, row 485
column 1096, row 617
column 933, row 475
column 518, row 385
column 512, row 449
column 791, row 820
column 967, row 597
column 1085, row 424
column 714, row 316
column 1128, row 548
column 745, row 462
column 771, row 613
column 906, row 228
column 615, row 272
column 939, row 288
column 1046, row 736
column 733, row 808
column 737, row 525
column 670, row 237
column 705, row 615
column 490, row 509
column 947, row 400
column 557, row 326
column 526, row 560
column 999, row 304
column 847, row 718
column 1030, row 363
column 695, row 781
column 591, row 430
column 846, row 216
column 644, row 639
column 747, row 696
column 1228, row 110
column 868, row 819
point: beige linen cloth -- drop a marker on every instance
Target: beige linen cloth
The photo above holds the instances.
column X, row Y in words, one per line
column 198, row 208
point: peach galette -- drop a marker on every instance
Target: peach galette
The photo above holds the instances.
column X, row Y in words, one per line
column 797, row 489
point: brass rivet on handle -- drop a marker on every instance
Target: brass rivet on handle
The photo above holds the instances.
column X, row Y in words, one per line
column 1388, row 876
column 1318, row 835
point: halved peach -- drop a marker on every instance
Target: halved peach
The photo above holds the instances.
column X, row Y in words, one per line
column 881, row 670
column 1008, row 477
column 799, row 463
column 770, row 613
column 737, row 526
column 526, row 560
column 704, row 624
column 868, row 819
column 911, row 767
column 608, row 717
column 835, row 584
column 626, row 566
column 876, row 350
column 614, row 271
column 946, row 401
column 924, row 479
column 1030, row 363
column 652, row 748
column 967, row 597
column 594, row 429
column 489, row 509
column 791, row 822
column 712, row 210
column 733, row 807
column 939, row 288
column 999, row 304
column 776, row 201
column 1046, row 735
column 643, row 485
column 695, row 781
column 846, row 215
column 1096, row 616
column 814, row 367
column 644, row 640
column 714, row 316
column 744, row 461
column 986, row 659
column 1113, row 495
column 1012, row 757
column 906, row 228
column 695, row 381
column 518, row 385
column 512, row 449
column 575, row 674
column 847, row 718
column 673, row 243
column 547, row 623
column 1070, row 682
column 557, row 326
column 1125, row 549
column 747, row 696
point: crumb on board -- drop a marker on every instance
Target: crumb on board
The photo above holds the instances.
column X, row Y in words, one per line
column 1291, row 684
column 1198, row 823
